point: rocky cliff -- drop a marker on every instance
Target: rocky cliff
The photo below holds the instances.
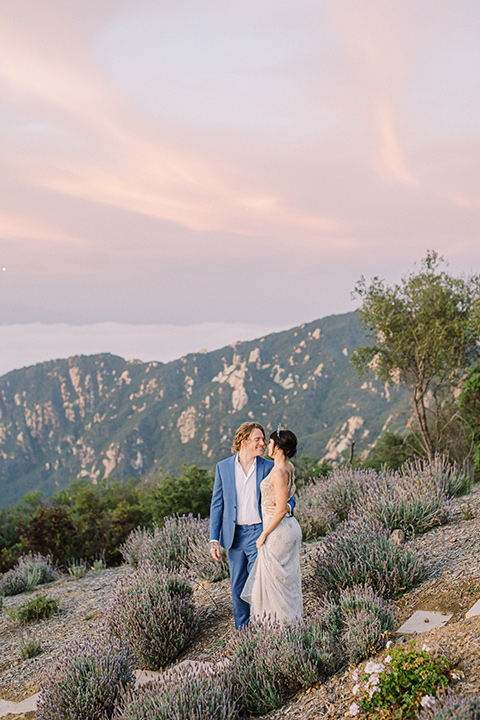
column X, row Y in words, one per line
column 101, row 416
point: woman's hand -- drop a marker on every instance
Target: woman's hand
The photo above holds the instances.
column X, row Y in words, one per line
column 260, row 541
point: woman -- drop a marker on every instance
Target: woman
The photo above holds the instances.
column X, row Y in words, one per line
column 274, row 586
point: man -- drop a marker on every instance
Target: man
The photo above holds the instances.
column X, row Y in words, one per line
column 235, row 511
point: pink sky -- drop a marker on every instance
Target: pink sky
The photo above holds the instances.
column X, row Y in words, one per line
column 235, row 161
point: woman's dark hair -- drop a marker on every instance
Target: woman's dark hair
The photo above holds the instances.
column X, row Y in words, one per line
column 286, row 440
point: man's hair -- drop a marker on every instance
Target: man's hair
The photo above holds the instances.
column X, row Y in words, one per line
column 244, row 432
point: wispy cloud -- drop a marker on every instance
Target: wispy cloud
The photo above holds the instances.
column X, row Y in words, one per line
column 188, row 149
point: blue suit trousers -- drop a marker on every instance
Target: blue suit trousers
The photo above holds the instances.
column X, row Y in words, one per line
column 241, row 557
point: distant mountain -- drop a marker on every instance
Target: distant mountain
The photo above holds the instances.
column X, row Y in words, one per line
column 100, row 415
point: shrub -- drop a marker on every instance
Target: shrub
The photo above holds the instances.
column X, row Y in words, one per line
column 181, row 542
column 343, row 490
column 132, row 548
column 452, row 479
column 29, row 648
column 153, row 611
column 413, row 499
column 48, row 530
column 185, row 691
column 357, row 619
column 37, row 569
column 200, row 560
column 452, row 707
column 367, row 619
column 86, row 681
column 311, row 511
column 13, row 583
column 38, row 608
column 406, row 680
column 270, row 661
column 361, row 552
column 189, row 493
column 78, row 570
column 167, row 546
column 31, row 570
column 414, row 504
column 98, row 564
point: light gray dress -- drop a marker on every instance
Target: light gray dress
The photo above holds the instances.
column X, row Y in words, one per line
column 274, row 586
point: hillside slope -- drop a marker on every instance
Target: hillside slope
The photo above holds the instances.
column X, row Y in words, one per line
column 100, row 415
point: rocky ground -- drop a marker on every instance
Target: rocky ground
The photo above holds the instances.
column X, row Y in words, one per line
column 453, row 556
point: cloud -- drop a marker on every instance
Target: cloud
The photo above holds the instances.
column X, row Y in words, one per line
column 151, row 150
column 129, row 164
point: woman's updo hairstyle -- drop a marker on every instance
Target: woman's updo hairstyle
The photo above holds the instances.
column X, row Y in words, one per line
column 286, row 440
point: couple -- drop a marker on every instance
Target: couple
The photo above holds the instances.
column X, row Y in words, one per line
column 264, row 559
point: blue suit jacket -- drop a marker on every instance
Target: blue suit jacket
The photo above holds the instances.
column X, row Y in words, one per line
column 223, row 508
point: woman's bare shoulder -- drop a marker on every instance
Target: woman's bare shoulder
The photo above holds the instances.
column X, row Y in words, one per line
column 280, row 475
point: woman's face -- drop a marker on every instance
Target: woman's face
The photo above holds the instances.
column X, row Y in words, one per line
column 271, row 449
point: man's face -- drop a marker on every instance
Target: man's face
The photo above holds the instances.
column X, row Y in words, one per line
column 255, row 443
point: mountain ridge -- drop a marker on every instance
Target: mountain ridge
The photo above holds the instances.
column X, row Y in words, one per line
column 101, row 415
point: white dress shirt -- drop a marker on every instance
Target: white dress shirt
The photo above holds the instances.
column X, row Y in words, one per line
column 247, row 500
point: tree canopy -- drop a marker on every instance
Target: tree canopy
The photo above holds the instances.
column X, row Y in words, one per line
column 423, row 336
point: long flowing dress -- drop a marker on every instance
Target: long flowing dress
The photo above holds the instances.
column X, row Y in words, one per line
column 274, row 586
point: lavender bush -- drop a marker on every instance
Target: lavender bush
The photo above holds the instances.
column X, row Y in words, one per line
column 312, row 512
column 357, row 622
column 37, row 569
column 181, row 542
column 30, row 571
column 13, row 583
column 86, row 681
column 361, row 552
column 78, row 570
column 343, row 490
column 367, row 620
column 452, row 479
column 452, row 707
column 167, row 546
column 270, row 661
column 414, row 498
column 200, row 560
column 153, row 611
column 185, row 691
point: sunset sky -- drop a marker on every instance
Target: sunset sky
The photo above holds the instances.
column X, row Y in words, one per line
column 233, row 162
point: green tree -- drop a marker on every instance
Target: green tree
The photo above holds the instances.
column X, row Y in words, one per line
column 103, row 515
column 470, row 405
column 191, row 492
column 50, row 531
column 391, row 450
column 422, row 336
column 310, row 467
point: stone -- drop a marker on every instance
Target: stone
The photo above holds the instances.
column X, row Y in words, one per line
column 144, row 676
column 398, row 537
column 474, row 610
column 28, row 705
column 423, row 620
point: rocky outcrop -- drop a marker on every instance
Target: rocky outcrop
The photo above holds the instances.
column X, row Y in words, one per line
column 103, row 416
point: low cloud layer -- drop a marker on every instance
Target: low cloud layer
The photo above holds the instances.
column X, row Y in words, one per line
column 24, row 345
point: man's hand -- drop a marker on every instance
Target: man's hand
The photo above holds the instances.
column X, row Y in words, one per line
column 215, row 551
column 270, row 508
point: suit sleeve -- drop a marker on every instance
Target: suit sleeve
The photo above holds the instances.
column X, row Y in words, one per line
column 216, row 507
